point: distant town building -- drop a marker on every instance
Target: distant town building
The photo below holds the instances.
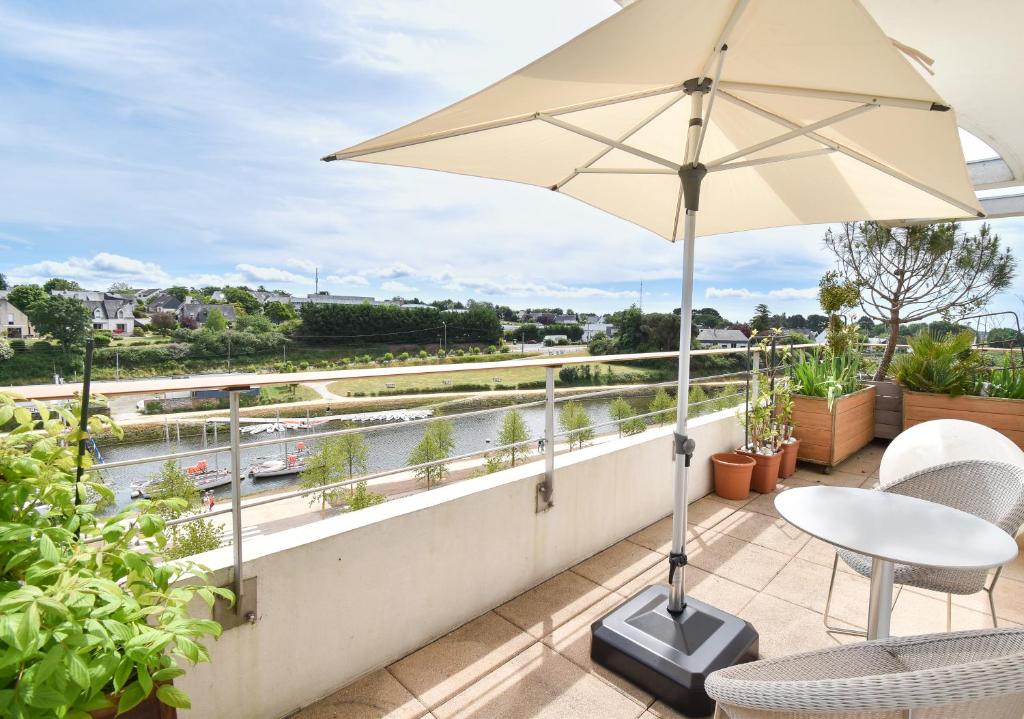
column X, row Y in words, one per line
column 218, row 297
column 199, row 312
column 266, row 297
column 13, row 321
column 416, row 306
column 297, row 302
column 593, row 328
column 111, row 313
column 710, row 338
column 163, row 302
column 555, row 339
column 84, row 295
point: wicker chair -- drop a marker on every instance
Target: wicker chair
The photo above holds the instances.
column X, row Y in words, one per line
column 993, row 491
column 962, row 675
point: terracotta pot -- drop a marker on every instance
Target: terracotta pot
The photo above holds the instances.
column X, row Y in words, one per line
column 766, row 473
column 732, row 474
column 788, row 464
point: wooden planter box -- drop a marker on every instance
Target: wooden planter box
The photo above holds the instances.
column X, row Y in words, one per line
column 828, row 437
column 888, row 409
column 1006, row 416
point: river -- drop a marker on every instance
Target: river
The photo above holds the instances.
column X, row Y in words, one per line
column 388, row 448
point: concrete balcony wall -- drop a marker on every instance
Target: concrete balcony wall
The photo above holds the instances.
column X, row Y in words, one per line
column 350, row 594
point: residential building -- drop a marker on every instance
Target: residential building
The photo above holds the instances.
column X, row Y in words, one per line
column 84, row 295
column 555, row 339
column 314, row 299
column 265, row 297
column 199, row 312
column 13, row 321
column 163, row 302
column 709, row 338
column 416, row 306
column 112, row 313
column 592, row 328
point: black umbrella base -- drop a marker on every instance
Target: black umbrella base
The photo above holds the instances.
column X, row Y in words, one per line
column 671, row 655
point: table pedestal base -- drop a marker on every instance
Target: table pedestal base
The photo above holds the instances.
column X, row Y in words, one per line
column 880, row 603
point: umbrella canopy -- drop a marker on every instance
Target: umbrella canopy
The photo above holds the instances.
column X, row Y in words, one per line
column 817, row 117
column 795, row 112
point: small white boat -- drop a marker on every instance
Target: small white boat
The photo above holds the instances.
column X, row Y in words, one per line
column 278, row 467
column 204, row 480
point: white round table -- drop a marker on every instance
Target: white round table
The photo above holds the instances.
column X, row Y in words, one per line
column 893, row 528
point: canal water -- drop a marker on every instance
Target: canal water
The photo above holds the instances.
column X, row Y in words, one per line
column 388, row 448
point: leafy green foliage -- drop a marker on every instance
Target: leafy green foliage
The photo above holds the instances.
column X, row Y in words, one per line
column 190, row 538
column 620, row 410
column 334, row 460
column 824, row 374
column 1006, row 381
column 83, row 621
column 59, row 283
column 575, row 422
column 358, row 323
column 24, row 296
column 65, row 319
column 836, row 295
column 279, row 312
column 360, row 497
column 513, row 432
column 664, row 405
column 947, row 365
column 437, row 444
column 215, row 321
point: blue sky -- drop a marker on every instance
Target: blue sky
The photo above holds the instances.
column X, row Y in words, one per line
column 165, row 143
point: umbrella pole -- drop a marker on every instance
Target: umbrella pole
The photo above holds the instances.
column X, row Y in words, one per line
column 684, row 446
column 690, row 176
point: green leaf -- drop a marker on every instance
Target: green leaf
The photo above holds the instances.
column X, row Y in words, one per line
column 145, row 681
column 131, row 698
column 77, row 671
column 172, row 696
column 48, row 549
column 122, row 673
column 168, row 673
column 150, row 524
column 41, row 696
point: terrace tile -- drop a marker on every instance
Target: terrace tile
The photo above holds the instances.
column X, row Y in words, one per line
column 547, row 606
column 442, row 669
column 618, row 564
column 376, row 696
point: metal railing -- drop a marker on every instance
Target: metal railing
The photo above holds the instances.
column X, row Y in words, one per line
column 235, row 384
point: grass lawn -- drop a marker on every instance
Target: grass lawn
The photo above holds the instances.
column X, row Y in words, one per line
column 509, row 378
column 287, row 393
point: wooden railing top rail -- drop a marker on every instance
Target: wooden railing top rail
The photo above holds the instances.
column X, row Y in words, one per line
column 253, row 379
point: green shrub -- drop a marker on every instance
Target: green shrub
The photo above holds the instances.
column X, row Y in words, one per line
column 42, row 346
column 946, row 366
column 824, row 374
column 18, row 345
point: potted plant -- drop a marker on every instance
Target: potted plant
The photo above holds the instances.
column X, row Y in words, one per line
column 948, row 379
column 92, row 621
column 834, row 412
column 733, row 472
column 786, row 427
column 763, row 441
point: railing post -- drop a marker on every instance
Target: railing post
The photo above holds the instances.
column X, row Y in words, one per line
column 236, row 497
column 546, row 489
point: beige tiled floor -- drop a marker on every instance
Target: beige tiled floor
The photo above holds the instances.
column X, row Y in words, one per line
column 530, row 657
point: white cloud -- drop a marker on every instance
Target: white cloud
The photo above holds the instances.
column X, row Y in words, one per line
column 300, row 264
column 395, row 286
column 101, row 268
column 347, row 280
column 270, row 274
column 392, row 272
column 785, row 293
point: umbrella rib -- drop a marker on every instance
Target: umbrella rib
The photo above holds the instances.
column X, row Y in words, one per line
column 773, row 159
column 632, row 131
column 624, row 171
column 583, row 132
column 497, row 124
column 853, row 154
column 834, row 95
column 679, row 210
column 723, row 37
column 798, row 131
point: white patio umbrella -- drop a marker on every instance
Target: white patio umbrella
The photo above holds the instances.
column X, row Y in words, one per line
column 763, row 113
